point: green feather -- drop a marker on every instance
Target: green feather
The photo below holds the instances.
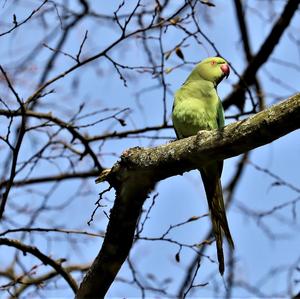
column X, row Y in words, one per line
column 197, row 106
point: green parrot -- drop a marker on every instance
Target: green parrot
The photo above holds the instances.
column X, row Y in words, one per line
column 197, row 106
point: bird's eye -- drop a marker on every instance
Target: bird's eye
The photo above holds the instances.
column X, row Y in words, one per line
column 213, row 62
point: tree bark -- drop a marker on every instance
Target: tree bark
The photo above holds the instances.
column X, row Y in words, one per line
column 139, row 169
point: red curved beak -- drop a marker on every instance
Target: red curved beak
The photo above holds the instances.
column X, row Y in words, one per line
column 225, row 69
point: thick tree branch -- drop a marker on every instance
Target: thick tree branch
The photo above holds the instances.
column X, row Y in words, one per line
column 237, row 96
column 140, row 168
column 240, row 15
column 243, row 28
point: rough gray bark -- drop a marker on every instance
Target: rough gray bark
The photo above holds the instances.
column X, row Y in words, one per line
column 139, row 169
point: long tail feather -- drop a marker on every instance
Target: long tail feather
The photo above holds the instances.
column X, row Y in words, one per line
column 219, row 221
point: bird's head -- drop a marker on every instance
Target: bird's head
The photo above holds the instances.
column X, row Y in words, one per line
column 213, row 69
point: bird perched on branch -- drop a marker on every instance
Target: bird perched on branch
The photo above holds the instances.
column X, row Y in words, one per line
column 197, row 106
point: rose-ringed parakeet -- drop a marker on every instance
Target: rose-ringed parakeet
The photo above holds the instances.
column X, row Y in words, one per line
column 197, row 106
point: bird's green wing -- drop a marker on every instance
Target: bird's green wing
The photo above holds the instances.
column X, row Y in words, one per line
column 220, row 115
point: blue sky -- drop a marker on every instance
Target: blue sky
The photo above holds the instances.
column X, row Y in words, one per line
column 179, row 197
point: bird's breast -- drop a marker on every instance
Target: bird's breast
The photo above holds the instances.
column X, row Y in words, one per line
column 193, row 115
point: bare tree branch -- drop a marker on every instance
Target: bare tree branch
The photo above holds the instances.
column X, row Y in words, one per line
column 29, row 282
column 18, row 24
column 237, row 96
column 56, row 134
column 55, row 178
column 16, row 148
column 247, row 48
column 44, row 258
column 62, row 124
column 155, row 164
column 36, row 94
